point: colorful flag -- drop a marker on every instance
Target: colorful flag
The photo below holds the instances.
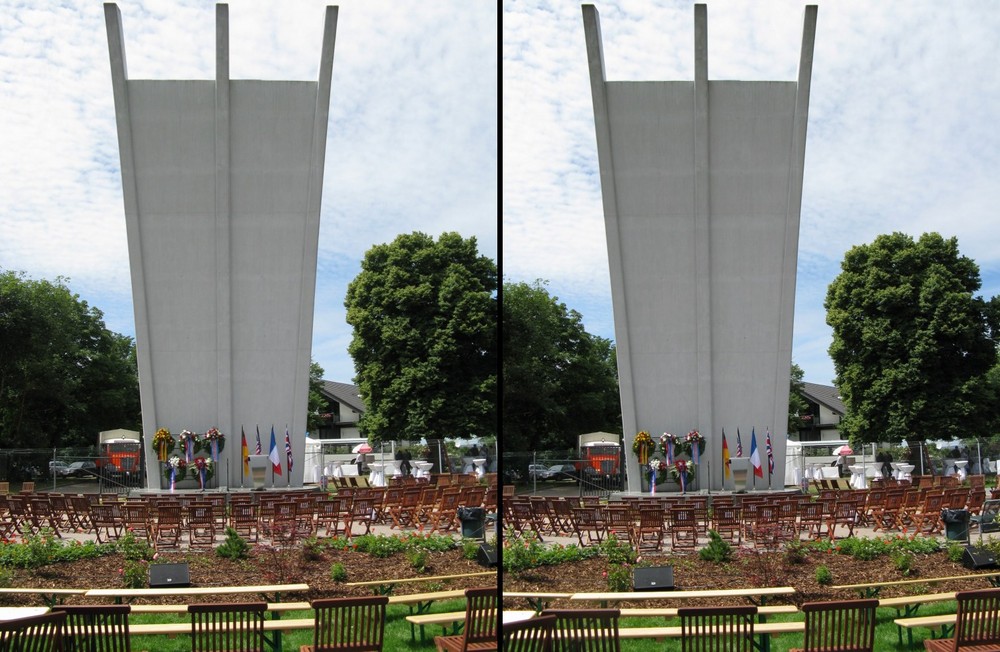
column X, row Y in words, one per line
column 257, row 450
column 273, row 454
column 770, row 453
column 758, row 470
column 288, row 451
column 739, row 444
column 725, row 454
column 246, row 452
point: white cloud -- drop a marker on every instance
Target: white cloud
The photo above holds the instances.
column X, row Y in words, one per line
column 412, row 141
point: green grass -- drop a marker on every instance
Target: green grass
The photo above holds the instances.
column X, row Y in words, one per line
column 397, row 630
column 886, row 637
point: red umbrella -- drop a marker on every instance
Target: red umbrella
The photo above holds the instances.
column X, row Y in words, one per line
column 843, row 450
column 362, row 448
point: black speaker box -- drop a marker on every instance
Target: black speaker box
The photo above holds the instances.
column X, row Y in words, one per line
column 974, row 558
column 168, row 575
column 653, row 578
column 487, row 555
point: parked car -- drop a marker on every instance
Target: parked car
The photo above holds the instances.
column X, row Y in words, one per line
column 538, row 472
column 562, row 472
column 80, row 470
column 57, row 467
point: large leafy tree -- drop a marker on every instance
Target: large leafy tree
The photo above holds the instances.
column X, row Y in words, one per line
column 912, row 343
column 559, row 381
column 425, row 335
column 63, row 375
column 797, row 404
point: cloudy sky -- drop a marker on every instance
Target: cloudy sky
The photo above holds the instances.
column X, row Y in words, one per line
column 904, row 132
column 412, row 140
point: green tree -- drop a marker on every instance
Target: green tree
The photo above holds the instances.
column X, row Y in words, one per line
column 63, row 375
column 317, row 402
column 912, row 343
column 797, row 404
column 425, row 335
column 559, row 381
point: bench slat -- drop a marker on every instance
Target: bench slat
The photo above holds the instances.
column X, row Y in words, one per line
column 195, row 590
column 429, row 578
column 683, row 595
column 173, row 629
column 924, row 580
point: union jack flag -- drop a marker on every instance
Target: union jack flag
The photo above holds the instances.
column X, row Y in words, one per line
column 770, row 454
column 288, row 451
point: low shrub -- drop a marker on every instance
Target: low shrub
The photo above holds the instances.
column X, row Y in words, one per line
column 718, row 550
column 234, row 547
column 619, row 577
column 823, row 576
column 338, row 573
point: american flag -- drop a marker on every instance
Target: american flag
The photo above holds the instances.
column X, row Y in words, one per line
column 770, row 454
column 288, row 450
column 256, row 450
column 739, row 444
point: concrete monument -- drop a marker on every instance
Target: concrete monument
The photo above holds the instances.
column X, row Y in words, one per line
column 702, row 189
column 222, row 183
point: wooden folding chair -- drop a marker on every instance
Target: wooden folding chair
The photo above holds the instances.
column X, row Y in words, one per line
column 977, row 624
column 227, row 627
column 33, row 634
column 585, row 630
column 480, row 632
column 839, row 626
column 96, row 628
column 531, row 635
column 349, row 624
column 717, row 629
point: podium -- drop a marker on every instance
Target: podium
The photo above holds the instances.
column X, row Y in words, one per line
column 258, row 470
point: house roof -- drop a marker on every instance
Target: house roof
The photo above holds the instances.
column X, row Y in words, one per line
column 345, row 393
column 824, row 395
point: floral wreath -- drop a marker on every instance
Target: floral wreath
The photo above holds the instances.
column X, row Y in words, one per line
column 668, row 439
column 679, row 467
column 185, row 436
column 643, row 446
column 213, row 435
column 203, row 463
column 162, row 439
column 177, row 464
column 657, row 466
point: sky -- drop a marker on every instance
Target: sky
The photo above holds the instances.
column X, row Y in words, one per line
column 903, row 133
column 411, row 144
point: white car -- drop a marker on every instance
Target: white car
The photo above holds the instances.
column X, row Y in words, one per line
column 538, row 472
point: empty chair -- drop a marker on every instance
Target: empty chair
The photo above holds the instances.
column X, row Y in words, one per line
column 96, row 628
column 243, row 519
column 227, row 627
column 34, row 633
column 841, row 626
column 356, row 624
column 480, row 631
column 201, row 526
column 585, row 630
column 531, row 635
column 107, row 518
column 717, row 629
column 361, row 512
column 977, row 623
column 168, row 526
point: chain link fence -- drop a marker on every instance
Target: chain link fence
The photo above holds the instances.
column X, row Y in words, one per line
column 550, row 473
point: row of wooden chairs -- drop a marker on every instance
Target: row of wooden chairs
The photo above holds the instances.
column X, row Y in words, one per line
column 340, row 623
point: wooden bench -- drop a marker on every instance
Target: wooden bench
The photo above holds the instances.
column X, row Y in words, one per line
column 51, row 597
column 945, row 621
column 451, row 622
column 182, row 608
column 385, row 587
column 173, row 629
column 749, row 594
column 538, row 601
column 871, row 590
column 906, row 606
column 266, row 591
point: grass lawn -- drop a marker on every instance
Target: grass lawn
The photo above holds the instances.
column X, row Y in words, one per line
column 397, row 630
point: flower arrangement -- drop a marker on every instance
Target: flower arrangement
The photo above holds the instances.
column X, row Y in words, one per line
column 178, row 466
column 163, row 443
column 657, row 466
column 695, row 444
column 185, row 437
column 214, row 441
column 682, row 467
column 643, row 446
column 203, row 470
column 669, row 446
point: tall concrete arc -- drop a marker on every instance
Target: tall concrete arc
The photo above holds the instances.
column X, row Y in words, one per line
column 702, row 190
column 222, row 182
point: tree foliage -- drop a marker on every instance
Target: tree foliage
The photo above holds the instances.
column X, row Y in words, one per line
column 317, row 402
column 797, row 404
column 63, row 375
column 912, row 344
column 425, row 321
column 559, row 381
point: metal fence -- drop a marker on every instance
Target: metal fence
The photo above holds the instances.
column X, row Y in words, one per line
column 61, row 468
column 551, row 473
